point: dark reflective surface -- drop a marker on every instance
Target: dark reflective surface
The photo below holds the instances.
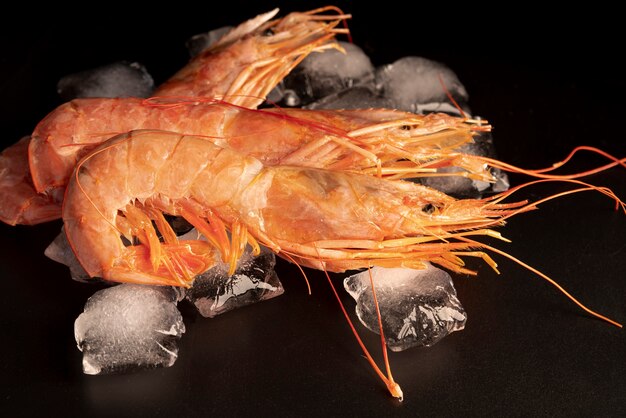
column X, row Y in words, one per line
column 526, row 350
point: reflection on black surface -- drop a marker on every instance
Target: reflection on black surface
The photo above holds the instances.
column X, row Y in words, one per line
column 525, row 350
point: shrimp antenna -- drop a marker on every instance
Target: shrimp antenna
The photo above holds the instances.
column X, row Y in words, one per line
column 540, row 173
column 393, row 388
column 306, row 279
column 498, row 198
column 454, row 102
column 545, row 277
column 340, row 15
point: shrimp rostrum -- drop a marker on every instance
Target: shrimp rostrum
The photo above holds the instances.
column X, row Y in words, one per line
column 319, row 218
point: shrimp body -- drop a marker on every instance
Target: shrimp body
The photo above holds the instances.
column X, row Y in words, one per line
column 341, row 140
column 323, row 219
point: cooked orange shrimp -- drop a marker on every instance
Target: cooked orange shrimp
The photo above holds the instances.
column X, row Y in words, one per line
column 250, row 60
column 324, row 219
column 380, row 142
column 348, row 140
column 330, row 219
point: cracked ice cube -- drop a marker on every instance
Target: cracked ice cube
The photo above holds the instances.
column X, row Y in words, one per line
column 129, row 327
column 418, row 307
column 254, row 280
column 119, row 79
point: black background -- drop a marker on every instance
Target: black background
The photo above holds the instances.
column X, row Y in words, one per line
column 547, row 81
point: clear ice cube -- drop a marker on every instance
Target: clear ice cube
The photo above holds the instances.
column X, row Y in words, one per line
column 324, row 73
column 414, row 84
column 129, row 327
column 254, row 280
column 418, row 307
column 60, row 251
column 119, row 79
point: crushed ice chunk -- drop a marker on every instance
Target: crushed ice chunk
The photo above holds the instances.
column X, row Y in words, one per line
column 413, row 84
column 323, row 73
column 119, row 79
column 60, row 251
column 254, row 280
column 418, row 307
column 129, row 327
column 202, row 41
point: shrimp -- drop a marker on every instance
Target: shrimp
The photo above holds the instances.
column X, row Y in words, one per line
column 132, row 179
column 324, row 219
column 244, row 65
column 250, row 60
column 379, row 142
column 346, row 140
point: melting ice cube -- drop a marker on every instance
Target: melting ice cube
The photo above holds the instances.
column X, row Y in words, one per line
column 418, row 307
column 255, row 280
column 414, row 84
column 129, row 327
column 119, row 79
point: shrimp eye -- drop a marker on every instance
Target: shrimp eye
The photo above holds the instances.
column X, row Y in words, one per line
column 405, row 127
column 428, row 208
column 268, row 32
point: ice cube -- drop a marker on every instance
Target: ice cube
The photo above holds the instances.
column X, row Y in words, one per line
column 119, row 79
column 418, row 307
column 129, row 327
column 202, row 41
column 463, row 187
column 323, row 73
column 60, row 251
column 358, row 97
column 414, row 84
column 254, row 280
